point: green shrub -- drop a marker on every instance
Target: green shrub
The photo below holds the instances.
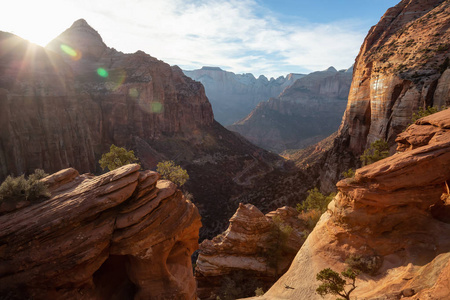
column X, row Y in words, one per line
column 116, row 158
column 19, row 188
column 378, row 150
column 335, row 284
column 366, row 264
column 169, row 171
column 350, row 173
column 424, row 112
column 315, row 201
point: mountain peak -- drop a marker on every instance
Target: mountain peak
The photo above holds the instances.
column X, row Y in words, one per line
column 331, row 69
column 80, row 23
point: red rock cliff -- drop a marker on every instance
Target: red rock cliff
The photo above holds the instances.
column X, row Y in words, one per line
column 397, row 210
column 402, row 66
column 121, row 235
column 64, row 110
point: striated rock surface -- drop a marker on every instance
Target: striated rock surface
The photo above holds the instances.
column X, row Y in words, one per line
column 402, row 66
column 121, row 235
column 233, row 96
column 64, row 105
column 249, row 245
column 304, row 113
column 396, row 209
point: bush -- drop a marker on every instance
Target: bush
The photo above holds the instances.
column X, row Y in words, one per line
column 366, row 264
column 378, row 150
column 116, row 158
column 350, row 173
column 334, row 284
column 426, row 112
column 315, row 201
column 310, row 217
column 169, row 171
column 259, row 292
column 19, row 188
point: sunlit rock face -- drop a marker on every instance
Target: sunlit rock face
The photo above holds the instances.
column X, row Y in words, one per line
column 247, row 246
column 306, row 112
column 234, row 96
column 121, row 235
column 400, row 68
column 396, row 209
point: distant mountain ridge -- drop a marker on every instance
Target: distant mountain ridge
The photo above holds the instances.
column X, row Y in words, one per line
column 303, row 114
column 234, row 96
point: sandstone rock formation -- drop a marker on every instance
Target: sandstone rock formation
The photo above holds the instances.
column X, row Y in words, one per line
column 304, row 113
column 395, row 209
column 234, row 96
column 249, row 245
column 63, row 106
column 121, row 235
column 402, row 66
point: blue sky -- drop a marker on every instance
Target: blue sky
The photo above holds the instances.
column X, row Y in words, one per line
column 266, row 37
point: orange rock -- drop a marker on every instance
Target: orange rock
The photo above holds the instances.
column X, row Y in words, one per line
column 121, row 234
column 386, row 210
column 244, row 246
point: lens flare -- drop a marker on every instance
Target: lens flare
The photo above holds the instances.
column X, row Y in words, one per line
column 133, row 92
column 74, row 54
column 102, row 72
column 156, row 107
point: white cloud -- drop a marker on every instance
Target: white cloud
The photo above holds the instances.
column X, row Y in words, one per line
column 232, row 34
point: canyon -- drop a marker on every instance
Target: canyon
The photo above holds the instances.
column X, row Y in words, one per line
column 64, row 105
column 234, row 96
column 303, row 114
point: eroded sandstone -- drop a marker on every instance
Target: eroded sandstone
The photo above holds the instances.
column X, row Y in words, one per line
column 121, row 235
column 388, row 210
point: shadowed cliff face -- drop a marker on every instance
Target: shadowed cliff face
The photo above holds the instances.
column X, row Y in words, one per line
column 122, row 235
column 234, row 96
column 400, row 68
column 396, row 209
column 303, row 114
column 63, row 106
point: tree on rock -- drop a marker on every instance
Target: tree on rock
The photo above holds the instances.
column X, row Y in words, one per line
column 378, row 150
column 334, row 284
column 169, row 171
column 116, row 158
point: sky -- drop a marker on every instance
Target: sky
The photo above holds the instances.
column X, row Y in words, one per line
column 263, row 37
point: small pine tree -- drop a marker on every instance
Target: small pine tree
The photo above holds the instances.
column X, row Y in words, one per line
column 350, row 173
column 334, row 284
column 169, row 171
column 315, row 201
column 378, row 150
column 116, row 158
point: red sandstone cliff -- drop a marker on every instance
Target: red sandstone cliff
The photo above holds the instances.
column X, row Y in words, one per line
column 396, row 209
column 400, row 68
column 121, row 235
column 63, row 106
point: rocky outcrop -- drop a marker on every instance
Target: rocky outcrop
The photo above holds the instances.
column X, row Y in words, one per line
column 64, row 105
column 252, row 244
column 121, row 235
column 396, row 210
column 234, row 96
column 304, row 113
column 402, row 66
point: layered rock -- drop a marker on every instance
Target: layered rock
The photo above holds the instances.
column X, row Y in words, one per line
column 63, row 106
column 401, row 67
column 252, row 244
column 121, row 235
column 234, row 96
column 395, row 209
column 304, row 113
